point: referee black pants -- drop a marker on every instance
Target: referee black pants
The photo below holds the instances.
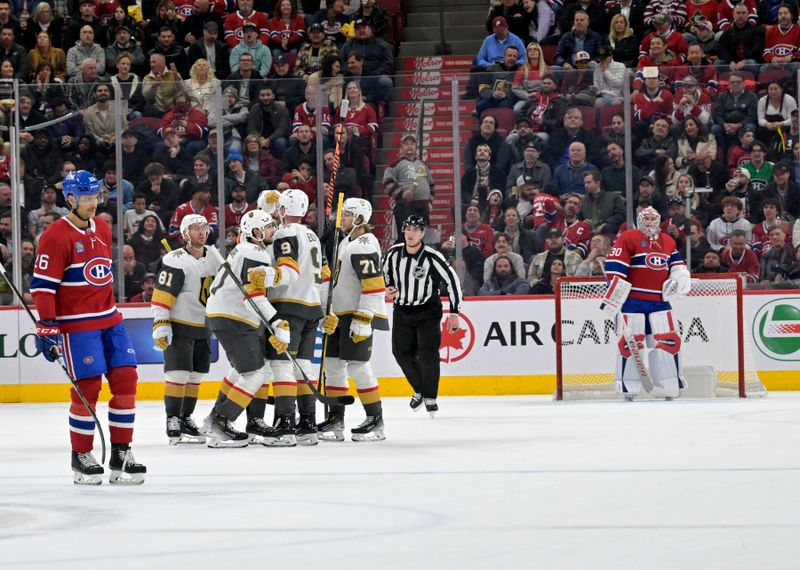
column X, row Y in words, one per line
column 416, row 335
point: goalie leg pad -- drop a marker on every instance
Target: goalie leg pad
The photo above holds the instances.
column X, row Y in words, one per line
column 626, row 376
column 665, row 358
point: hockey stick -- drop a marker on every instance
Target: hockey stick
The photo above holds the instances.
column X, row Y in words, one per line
column 56, row 354
column 343, row 109
column 327, row 400
column 328, row 311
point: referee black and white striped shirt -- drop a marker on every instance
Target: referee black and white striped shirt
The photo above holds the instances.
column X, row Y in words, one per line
column 418, row 277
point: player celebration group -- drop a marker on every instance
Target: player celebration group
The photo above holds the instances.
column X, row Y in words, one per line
column 264, row 304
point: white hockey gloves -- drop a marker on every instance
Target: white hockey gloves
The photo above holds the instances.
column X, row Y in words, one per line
column 678, row 285
column 361, row 326
column 280, row 340
column 162, row 334
column 616, row 294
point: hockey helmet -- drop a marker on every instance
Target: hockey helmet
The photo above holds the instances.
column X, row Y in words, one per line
column 190, row 220
column 254, row 220
column 80, row 183
column 294, row 203
column 268, row 201
column 414, row 222
column 358, row 207
column 649, row 222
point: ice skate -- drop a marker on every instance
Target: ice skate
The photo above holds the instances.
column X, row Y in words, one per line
column 282, row 433
column 124, row 468
column 174, row 430
column 431, row 406
column 306, row 431
column 416, row 402
column 630, row 397
column 370, row 430
column 332, row 429
column 256, row 429
column 190, row 433
column 221, row 432
column 86, row 468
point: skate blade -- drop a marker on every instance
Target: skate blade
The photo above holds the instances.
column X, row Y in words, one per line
column 432, row 414
column 215, row 443
column 282, row 441
column 254, row 439
column 122, row 478
column 416, row 409
column 371, row 436
column 187, row 439
column 307, row 439
column 84, row 479
column 331, row 436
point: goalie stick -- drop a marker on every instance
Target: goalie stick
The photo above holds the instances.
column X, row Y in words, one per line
column 327, row 400
column 56, row 353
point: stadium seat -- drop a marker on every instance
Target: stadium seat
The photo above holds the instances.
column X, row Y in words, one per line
column 589, row 118
column 549, row 54
column 770, row 74
column 505, row 118
column 607, row 112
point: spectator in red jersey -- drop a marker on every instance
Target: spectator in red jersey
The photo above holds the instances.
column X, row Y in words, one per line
column 738, row 155
column 691, row 101
column 675, row 10
column 700, row 68
column 781, row 41
column 479, row 234
column 739, row 258
column 651, row 103
column 148, row 286
column 666, row 26
column 199, row 204
column 659, row 58
column 238, row 206
column 287, row 28
column 577, row 232
column 360, row 120
column 188, row 122
column 770, row 209
column 700, row 11
column 235, row 22
column 303, row 179
column 530, row 165
column 305, row 114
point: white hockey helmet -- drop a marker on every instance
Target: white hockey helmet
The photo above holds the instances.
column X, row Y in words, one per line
column 358, row 207
column 268, row 201
column 190, row 220
column 294, row 203
column 254, row 220
column 649, row 222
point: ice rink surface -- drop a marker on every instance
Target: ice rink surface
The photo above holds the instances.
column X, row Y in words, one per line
column 491, row 483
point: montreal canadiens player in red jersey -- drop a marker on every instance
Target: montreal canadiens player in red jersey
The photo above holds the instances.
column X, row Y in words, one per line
column 645, row 272
column 72, row 287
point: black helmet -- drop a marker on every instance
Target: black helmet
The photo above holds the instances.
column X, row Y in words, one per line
column 414, row 222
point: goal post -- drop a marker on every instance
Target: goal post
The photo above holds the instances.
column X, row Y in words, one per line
column 716, row 352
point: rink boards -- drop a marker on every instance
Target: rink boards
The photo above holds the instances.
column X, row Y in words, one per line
column 505, row 347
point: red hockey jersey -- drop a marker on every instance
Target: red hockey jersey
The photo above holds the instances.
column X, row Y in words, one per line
column 644, row 263
column 235, row 21
column 545, row 210
column 293, row 32
column 778, row 43
column 364, row 119
column 305, row 116
column 576, row 235
column 725, row 17
column 72, row 278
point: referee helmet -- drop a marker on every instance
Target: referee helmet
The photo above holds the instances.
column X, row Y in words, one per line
column 414, row 222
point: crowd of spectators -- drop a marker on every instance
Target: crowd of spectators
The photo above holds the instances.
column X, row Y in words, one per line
column 167, row 61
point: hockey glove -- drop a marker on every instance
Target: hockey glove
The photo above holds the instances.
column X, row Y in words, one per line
column 360, row 327
column 162, row 334
column 615, row 296
column 49, row 339
column 280, row 340
column 677, row 286
column 329, row 324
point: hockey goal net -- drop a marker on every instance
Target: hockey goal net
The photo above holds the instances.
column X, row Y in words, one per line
column 716, row 352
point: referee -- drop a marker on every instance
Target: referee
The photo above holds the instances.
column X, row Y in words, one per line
column 414, row 273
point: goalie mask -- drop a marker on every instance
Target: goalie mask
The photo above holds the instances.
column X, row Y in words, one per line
column 649, row 222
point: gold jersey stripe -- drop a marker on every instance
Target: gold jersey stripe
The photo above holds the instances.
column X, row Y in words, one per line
column 373, row 284
column 163, row 298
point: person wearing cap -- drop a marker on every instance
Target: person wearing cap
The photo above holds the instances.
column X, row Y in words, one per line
column 608, row 78
column 84, row 49
column 42, row 158
column 481, row 178
column 174, row 156
column 237, row 206
column 647, row 190
column 377, row 16
column 313, row 51
column 530, row 166
column 538, row 269
column 666, row 20
column 741, row 46
column 134, row 157
column 409, row 182
column 250, row 43
column 235, row 173
column 658, row 57
column 332, row 18
column 546, row 110
column 740, row 153
column 123, row 42
column 200, row 203
column 497, row 92
column 577, row 84
column 377, row 56
column 148, row 286
column 783, row 189
column 691, row 101
column 86, row 16
column 234, row 24
column 652, row 102
column 493, row 51
column 579, row 38
column 209, row 47
column 519, row 138
column 202, row 19
column 285, row 85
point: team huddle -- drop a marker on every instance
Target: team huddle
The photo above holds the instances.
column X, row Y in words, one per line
column 265, row 302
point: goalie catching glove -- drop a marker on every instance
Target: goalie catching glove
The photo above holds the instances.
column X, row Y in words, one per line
column 162, row 334
column 361, row 326
column 280, row 339
column 329, row 324
column 678, row 285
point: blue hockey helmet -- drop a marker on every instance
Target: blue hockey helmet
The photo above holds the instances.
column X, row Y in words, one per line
column 80, row 183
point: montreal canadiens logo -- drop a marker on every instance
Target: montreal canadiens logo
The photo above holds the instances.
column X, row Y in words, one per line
column 456, row 345
column 656, row 261
column 97, row 271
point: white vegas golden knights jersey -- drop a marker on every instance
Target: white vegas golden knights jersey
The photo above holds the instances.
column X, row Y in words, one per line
column 226, row 304
column 296, row 250
column 359, row 283
column 181, row 291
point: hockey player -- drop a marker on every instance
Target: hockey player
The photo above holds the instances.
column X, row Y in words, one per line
column 295, row 294
column 72, row 286
column 358, row 308
column 645, row 273
column 179, row 326
column 241, row 332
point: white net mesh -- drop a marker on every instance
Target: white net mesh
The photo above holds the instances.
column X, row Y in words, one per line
column 709, row 327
